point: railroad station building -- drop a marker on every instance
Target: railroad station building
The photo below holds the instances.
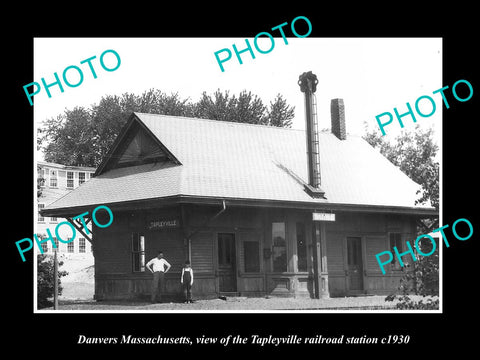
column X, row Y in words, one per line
column 237, row 200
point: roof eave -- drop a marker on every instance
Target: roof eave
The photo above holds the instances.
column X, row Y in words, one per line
column 318, row 205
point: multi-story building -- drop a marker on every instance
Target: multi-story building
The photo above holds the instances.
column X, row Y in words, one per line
column 55, row 181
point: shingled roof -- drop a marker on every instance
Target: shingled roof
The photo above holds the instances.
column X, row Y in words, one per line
column 244, row 163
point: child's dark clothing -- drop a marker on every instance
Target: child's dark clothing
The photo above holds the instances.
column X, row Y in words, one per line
column 187, row 281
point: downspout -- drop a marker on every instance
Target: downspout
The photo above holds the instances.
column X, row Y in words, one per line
column 189, row 237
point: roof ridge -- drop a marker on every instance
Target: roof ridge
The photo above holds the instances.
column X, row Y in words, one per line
column 219, row 121
column 241, row 123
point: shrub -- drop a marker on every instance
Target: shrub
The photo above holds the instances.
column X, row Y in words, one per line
column 421, row 279
column 45, row 283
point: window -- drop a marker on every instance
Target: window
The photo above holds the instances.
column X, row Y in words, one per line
column 251, row 256
column 226, row 244
column 138, row 252
column 53, row 178
column 301, row 247
column 395, row 241
column 81, row 178
column 279, row 249
column 71, row 246
column 40, row 217
column 44, row 247
column 56, row 244
column 41, row 177
column 69, row 179
column 81, row 245
column 354, row 252
column 53, row 219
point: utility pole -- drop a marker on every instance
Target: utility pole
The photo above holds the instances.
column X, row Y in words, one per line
column 55, row 279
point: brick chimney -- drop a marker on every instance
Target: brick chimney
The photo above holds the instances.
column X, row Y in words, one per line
column 337, row 109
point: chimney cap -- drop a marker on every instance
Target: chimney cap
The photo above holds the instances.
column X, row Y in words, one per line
column 308, row 82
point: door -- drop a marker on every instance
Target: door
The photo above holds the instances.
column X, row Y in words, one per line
column 226, row 262
column 354, row 263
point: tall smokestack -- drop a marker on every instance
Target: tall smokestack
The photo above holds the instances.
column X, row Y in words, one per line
column 337, row 109
column 308, row 85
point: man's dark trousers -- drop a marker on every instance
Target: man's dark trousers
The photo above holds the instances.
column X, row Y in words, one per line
column 158, row 282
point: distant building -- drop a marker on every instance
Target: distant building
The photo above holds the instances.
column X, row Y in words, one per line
column 55, row 181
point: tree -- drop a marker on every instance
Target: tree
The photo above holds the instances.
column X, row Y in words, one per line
column 45, row 280
column 82, row 136
column 280, row 113
column 414, row 153
column 40, row 182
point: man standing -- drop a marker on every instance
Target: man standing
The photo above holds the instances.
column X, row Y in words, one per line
column 158, row 266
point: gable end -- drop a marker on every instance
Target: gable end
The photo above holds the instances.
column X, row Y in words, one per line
column 135, row 145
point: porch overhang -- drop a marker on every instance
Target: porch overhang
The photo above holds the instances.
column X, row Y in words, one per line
column 320, row 205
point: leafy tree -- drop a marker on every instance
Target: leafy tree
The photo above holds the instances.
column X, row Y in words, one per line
column 40, row 183
column 280, row 113
column 414, row 153
column 83, row 136
column 45, row 280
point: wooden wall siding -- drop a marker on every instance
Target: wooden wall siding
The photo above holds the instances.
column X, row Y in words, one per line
column 111, row 249
column 373, row 246
column 114, row 277
column 335, row 253
column 119, row 288
column 204, row 287
column 251, row 284
column 357, row 223
column 249, row 236
column 337, row 285
column 202, row 252
column 232, row 217
column 172, row 245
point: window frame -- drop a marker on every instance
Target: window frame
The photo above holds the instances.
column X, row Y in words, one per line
column 53, row 181
column 41, row 219
column 284, row 264
column 45, row 247
column 82, row 245
column 71, row 246
column 138, row 250
column 70, row 180
column 80, row 181
column 395, row 264
column 304, row 246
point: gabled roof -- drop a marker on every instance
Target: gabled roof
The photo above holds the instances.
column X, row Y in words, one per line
column 135, row 144
column 211, row 159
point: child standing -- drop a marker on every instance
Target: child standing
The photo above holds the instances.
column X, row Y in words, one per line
column 187, row 281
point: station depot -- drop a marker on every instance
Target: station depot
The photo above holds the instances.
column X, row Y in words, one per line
column 258, row 210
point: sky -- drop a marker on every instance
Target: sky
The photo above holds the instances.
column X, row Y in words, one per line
column 372, row 75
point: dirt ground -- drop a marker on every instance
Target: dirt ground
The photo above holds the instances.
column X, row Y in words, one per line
column 78, row 289
column 237, row 303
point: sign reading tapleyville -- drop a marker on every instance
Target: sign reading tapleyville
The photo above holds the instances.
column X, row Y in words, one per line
column 163, row 224
column 320, row 216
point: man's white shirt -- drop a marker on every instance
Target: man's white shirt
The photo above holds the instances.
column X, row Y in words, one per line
column 157, row 264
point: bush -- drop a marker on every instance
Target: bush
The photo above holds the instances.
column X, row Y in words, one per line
column 422, row 279
column 406, row 303
column 45, row 283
